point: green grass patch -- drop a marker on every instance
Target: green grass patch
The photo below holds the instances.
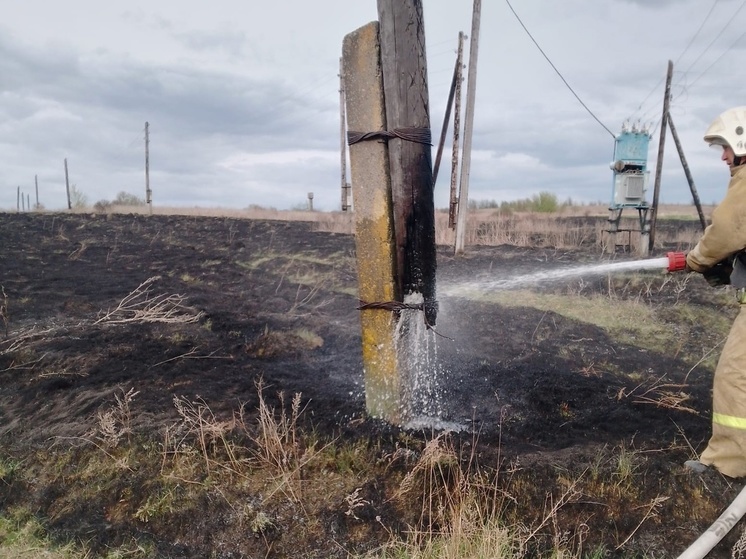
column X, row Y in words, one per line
column 629, row 322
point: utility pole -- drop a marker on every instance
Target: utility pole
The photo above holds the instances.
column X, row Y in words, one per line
column 659, row 163
column 148, row 193
column 449, row 104
column 463, row 201
column 688, row 174
column 343, row 138
column 18, row 199
column 67, row 187
column 374, row 227
column 453, row 202
column 36, row 183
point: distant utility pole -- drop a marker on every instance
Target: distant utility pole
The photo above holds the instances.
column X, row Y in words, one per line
column 463, row 201
column 453, row 201
column 343, row 138
column 18, row 199
column 148, row 192
column 28, row 202
column 447, row 117
column 659, row 163
column 67, row 187
column 36, row 184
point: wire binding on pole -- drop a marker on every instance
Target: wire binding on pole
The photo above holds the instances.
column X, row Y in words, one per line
column 418, row 135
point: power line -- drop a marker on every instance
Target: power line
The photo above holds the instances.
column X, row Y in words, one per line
column 691, row 41
column 717, row 59
column 558, row 72
column 683, row 52
column 722, row 30
column 639, row 108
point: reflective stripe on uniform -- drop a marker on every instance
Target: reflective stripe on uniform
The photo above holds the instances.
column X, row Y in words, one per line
column 729, row 420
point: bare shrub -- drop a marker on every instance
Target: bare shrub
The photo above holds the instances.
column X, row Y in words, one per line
column 102, row 206
column 143, row 306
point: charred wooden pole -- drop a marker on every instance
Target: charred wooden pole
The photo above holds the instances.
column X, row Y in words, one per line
column 374, row 225
column 404, row 68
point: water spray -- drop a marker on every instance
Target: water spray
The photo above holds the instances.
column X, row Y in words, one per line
column 672, row 262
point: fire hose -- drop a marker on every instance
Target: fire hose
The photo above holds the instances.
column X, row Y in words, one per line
column 719, row 528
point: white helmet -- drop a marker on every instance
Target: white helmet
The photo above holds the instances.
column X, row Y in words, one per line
column 729, row 129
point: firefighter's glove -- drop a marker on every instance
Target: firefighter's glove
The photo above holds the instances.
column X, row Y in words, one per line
column 719, row 274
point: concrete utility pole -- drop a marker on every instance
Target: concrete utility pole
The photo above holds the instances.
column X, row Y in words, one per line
column 404, row 66
column 67, row 187
column 453, row 201
column 343, row 139
column 659, row 163
column 18, row 199
column 688, row 174
column 36, row 183
column 374, row 226
column 463, row 201
column 148, row 192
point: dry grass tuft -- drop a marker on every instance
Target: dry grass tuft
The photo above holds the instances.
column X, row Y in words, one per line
column 115, row 423
column 279, row 446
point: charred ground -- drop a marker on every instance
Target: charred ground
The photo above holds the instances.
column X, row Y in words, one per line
column 551, row 405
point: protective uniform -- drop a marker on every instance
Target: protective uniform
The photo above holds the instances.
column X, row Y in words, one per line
column 722, row 239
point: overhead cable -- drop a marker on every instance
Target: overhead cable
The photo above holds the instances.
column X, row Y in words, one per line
column 558, row 72
column 727, row 24
column 691, row 41
column 726, row 51
column 689, row 44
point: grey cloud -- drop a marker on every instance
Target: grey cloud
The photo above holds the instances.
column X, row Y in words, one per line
column 233, row 43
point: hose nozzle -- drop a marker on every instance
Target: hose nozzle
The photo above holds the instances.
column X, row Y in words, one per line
column 676, row 261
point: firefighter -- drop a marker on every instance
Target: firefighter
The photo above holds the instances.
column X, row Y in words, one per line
column 719, row 257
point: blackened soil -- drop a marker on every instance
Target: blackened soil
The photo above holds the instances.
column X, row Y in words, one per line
column 277, row 301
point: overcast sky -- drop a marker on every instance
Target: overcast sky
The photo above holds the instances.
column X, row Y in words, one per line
column 243, row 97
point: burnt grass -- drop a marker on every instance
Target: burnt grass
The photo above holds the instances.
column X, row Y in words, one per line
column 544, row 400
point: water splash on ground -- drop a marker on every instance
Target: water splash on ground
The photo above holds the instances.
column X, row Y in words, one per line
column 422, row 373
